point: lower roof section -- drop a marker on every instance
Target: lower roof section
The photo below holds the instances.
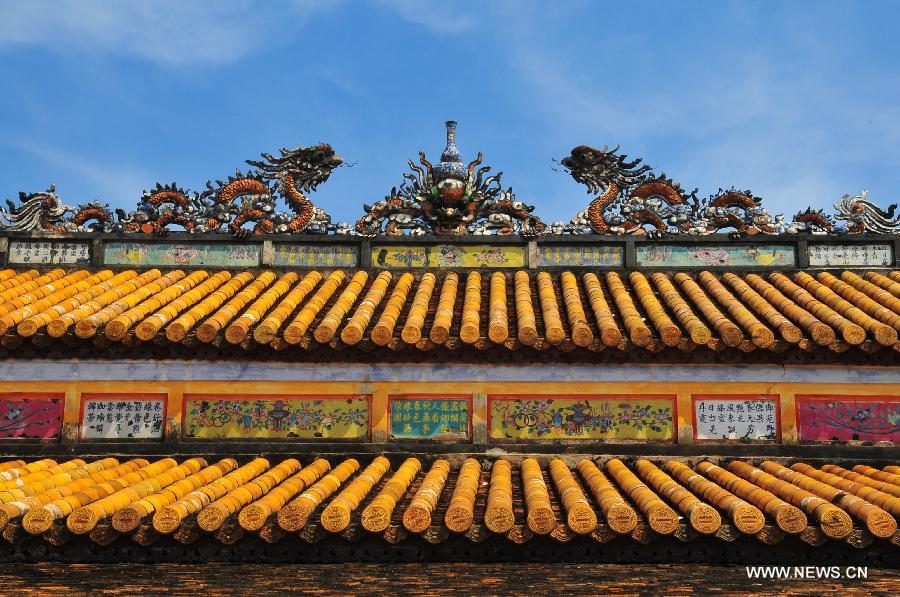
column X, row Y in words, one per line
column 514, row 502
column 849, row 317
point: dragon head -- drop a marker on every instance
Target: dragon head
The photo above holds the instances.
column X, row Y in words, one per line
column 598, row 169
column 307, row 166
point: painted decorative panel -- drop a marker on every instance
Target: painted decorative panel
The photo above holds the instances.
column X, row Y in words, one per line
column 124, row 416
column 846, row 418
column 580, row 256
column 326, row 255
column 745, row 418
column 49, row 252
column 716, row 255
column 36, row 416
column 309, row 417
column 612, row 417
column 173, row 254
column 430, row 417
column 406, row 256
column 829, row 255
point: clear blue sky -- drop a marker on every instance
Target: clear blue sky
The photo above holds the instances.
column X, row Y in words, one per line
column 797, row 101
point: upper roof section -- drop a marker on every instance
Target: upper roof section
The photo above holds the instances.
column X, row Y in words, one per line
column 448, row 198
column 345, row 314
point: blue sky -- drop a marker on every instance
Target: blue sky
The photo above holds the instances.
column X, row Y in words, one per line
column 797, row 101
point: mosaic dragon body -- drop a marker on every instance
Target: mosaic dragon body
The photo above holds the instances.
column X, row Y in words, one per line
column 862, row 215
column 631, row 199
column 242, row 199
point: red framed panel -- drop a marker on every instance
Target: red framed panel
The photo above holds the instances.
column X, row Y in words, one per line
column 31, row 416
column 550, row 422
column 839, row 418
column 122, row 397
column 437, row 397
column 775, row 398
column 236, row 417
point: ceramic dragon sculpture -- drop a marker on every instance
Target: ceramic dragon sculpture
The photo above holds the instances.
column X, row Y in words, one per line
column 862, row 215
column 450, row 198
column 631, row 198
column 243, row 199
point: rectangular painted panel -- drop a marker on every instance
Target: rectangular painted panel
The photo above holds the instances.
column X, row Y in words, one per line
column 847, row 418
column 631, row 417
column 580, row 256
column 325, row 255
column 739, row 418
column 716, row 255
column 175, row 254
column 267, row 417
column 122, row 418
column 429, row 418
column 829, row 255
column 35, row 417
column 408, row 256
column 49, row 252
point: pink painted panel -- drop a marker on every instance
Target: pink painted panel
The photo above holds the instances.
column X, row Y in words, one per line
column 30, row 418
column 848, row 418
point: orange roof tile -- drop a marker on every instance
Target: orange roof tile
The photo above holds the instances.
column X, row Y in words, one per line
column 536, row 308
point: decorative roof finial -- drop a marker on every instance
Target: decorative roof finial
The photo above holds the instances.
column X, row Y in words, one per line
column 452, row 198
column 451, row 164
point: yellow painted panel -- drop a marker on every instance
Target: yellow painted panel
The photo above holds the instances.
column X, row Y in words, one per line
column 589, row 417
column 267, row 417
column 406, row 256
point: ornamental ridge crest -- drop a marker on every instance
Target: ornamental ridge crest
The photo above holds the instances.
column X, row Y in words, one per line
column 449, row 197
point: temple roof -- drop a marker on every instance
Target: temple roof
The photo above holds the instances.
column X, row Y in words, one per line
column 526, row 311
column 515, row 499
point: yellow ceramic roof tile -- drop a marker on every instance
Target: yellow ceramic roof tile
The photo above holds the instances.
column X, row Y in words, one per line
column 885, row 282
column 415, row 319
column 638, row 332
column 118, row 327
column 178, row 329
column 821, row 333
column 693, row 325
column 443, row 317
column 36, row 289
column 553, row 326
column 873, row 291
column 237, row 331
column 148, row 328
column 470, row 328
column 526, row 322
column 299, row 326
column 788, row 331
column 383, row 331
column 59, row 326
column 356, row 327
column 266, row 331
column 669, row 333
column 760, row 335
column 728, row 332
column 88, row 326
column 871, row 307
column 31, row 325
column 498, row 314
column 329, row 325
column 39, row 305
column 211, row 327
column 18, row 278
